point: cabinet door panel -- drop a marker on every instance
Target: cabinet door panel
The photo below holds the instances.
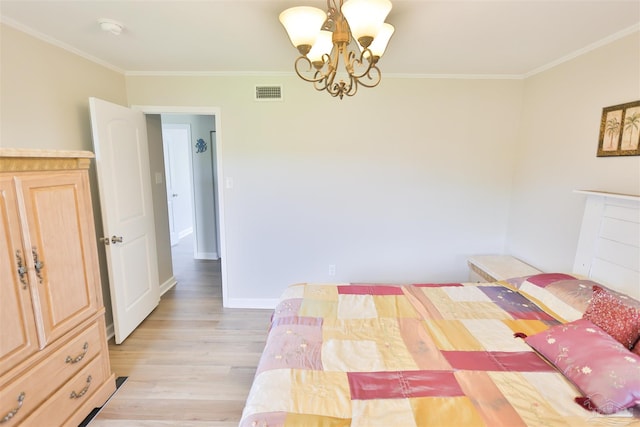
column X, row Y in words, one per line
column 18, row 338
column 62, row 242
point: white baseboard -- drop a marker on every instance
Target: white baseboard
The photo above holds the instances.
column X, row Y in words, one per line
column 110, row 331
column 263, row 303
column 185, row 233
column 206, row 255
column 167, row 285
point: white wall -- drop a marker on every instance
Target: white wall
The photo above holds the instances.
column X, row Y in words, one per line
column 44, row 93
column 44, row 103
column 557, row 151
column 400, row 183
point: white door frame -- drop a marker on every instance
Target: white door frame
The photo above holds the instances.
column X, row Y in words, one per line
column 205, row 111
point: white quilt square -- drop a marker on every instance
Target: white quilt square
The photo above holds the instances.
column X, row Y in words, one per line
column 466, row 293
column 356, row 307
column 494, row 335
column 351, row 356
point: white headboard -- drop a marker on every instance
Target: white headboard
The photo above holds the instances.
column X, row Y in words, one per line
column 609, row 244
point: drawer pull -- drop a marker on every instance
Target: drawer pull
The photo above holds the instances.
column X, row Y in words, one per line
column 82, row 392
column 38, row 265
column 22, row 270
column 15, row 411
column 78, row 358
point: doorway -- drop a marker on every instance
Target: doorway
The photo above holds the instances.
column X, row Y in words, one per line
column 208, row 224
column 189, row 147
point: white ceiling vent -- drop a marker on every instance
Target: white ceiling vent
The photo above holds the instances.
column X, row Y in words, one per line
column 268, row 93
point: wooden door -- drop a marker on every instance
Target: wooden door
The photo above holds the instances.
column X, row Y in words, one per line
column 62, row 249
column 124, row 182
column 18, row 339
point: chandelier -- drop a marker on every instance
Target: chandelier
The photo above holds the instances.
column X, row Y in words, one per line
column 322, row 38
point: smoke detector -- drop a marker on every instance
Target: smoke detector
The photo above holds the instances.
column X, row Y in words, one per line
column 111, row 26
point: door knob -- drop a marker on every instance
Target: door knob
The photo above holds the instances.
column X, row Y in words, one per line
column 105, row 240
column 174, row 195
column 115, row 239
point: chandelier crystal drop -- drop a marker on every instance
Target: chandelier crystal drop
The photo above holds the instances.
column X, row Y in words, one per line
column 322, row 38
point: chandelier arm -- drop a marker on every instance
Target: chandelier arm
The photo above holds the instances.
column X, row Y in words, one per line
column 302, row 59
column 321, row 83
column 360, row 61
column 332, row 67
column 376, row 77
column 349, row 60
column 353, row 86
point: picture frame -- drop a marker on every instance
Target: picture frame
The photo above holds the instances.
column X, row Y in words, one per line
column 620, row 130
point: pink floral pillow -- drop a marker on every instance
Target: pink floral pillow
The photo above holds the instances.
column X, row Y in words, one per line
column 616, row 315
column 606, row 373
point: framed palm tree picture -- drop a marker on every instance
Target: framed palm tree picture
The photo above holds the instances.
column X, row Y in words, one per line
column 620, row 130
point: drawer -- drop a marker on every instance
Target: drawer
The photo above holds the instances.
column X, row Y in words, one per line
column 29, row 390
column 70, row 397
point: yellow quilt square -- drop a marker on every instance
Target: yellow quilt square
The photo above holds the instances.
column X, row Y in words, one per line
column 319, row 308
column 321, row 292
column 445, row 411
column 452, row 335
column 293, row 291
column 526, row 326
column 299, row 420
column 350, row 329
column 392, row 347
column 320, row 392
column 531, row 404
column 396, row 306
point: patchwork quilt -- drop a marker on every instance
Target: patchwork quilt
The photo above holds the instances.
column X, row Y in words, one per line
column 415, row 355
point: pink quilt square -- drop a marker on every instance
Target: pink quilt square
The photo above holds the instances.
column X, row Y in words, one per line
column 544, row 279
column 516, row 361
column 288, row 307
column 294, row 342
column 402, row 384
column 370, row 290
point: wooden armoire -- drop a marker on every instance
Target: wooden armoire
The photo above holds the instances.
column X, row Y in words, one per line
column 54, row 359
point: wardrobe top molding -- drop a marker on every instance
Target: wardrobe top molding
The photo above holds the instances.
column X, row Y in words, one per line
column 25, row 159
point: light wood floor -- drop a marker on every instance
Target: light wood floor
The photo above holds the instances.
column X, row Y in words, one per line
column 191, row 362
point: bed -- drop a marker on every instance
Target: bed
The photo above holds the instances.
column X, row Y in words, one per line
column 551, row 349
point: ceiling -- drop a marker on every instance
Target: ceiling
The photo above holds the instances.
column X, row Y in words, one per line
column 477, row 37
